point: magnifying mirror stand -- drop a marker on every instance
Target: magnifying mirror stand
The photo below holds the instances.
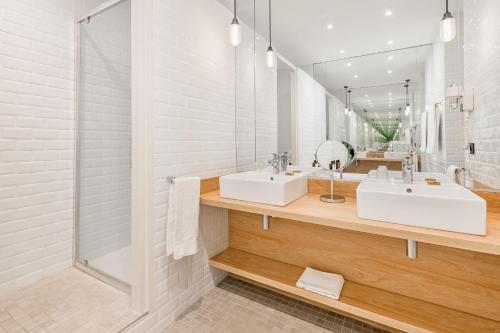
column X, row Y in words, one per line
column 332, row 198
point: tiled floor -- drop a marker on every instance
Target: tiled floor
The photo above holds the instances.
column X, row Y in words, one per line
column 239, row 307
column 71, row 302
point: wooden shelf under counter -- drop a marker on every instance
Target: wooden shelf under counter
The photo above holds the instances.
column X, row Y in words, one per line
column 392, row 311
column 309, row 209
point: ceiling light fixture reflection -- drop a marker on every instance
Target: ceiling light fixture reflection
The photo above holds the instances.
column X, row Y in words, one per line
column 355, row 76
column 270, row 51
column 390, row 57
column 342, row 51
column 346, row 110
column 349, row 64
column 388, row 13
column 389, row 71
column 350, row 108
column 407, row 86
column 390, row 42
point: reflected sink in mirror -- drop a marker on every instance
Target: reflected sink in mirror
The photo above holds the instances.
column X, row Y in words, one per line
column 448, row 206
column 264, row 187
column 418, row 177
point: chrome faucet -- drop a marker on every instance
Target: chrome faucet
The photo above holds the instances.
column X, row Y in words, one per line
column 285, row 159
column 280, row 162
column 407, row 169
column 275, row 162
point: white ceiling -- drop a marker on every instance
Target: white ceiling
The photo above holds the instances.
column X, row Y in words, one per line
column 359, row 26
column 375, row 89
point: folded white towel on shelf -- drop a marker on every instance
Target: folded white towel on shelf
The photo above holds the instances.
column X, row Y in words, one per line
column 326, row 284
column 183, row 216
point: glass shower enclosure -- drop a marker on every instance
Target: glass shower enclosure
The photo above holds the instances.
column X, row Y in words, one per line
column 103, row 148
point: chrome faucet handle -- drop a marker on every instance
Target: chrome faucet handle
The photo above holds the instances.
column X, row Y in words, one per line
column 275, row 162
column 407, row 169
column 407, row 161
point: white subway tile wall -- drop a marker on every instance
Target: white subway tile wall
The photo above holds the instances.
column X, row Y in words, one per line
column 266, row 107
column 105, row 133
column 311, row 115
column 194, row 120
column 336, row 118
column 454, row 133
column 36, row 139
column 444, row 67
column 435, row 83
column 256, row 103
column 482, row 70
column 245, row 100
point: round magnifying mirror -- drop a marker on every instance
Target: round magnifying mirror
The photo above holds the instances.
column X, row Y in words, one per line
column 334, row 156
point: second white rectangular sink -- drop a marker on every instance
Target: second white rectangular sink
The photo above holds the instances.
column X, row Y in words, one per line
column 263, row 187
column 448, row 206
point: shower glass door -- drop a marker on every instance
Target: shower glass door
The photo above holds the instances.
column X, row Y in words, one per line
column 103, row 185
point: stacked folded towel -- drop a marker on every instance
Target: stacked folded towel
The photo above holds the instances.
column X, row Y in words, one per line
column 326, row 284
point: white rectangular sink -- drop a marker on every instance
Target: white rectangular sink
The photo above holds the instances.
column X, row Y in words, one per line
column 263, row 187
column 448, row 206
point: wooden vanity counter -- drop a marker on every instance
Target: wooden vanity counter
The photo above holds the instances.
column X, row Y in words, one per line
column 452, row 286
column 309, row 209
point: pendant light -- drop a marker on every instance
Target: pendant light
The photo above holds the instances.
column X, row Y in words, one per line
column 270, row 51
column 366, row 120
column 350, row 109
column 448, row 26
column 407, row 86
column 346, row 110
column 235, row 29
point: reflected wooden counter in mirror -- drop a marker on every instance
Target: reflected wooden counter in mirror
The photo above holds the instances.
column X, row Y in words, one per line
column 365, row 165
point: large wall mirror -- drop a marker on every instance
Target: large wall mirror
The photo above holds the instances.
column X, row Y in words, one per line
column 386, row 90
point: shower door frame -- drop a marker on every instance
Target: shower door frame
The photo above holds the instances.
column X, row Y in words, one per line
column 141, row 288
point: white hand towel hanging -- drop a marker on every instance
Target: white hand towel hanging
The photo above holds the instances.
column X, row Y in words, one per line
column 183, row 216
column 451, row 172
column 423, row 131
column 326, row 284
column 433, row 129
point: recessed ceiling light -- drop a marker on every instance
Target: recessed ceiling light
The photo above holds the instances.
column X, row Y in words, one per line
column 390, row 93
column 389, row 71
column 355, row 76
column 390, row 57
column 329, row 26
column 342, row 51
column 349, row 64
column 389, row 42
column 388, row 13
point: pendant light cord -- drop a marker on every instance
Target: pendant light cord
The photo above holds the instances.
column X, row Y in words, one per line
column 447, row 11
column 234, row 8
column 270, row 31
